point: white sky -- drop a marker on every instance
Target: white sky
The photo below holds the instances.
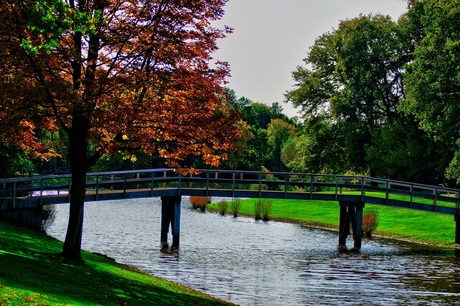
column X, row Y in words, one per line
column 272, row 37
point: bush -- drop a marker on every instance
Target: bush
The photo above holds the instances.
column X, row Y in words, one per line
column 370, row 222
column 200, row 202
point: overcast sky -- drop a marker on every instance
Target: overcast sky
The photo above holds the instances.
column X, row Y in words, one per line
column 272, row 37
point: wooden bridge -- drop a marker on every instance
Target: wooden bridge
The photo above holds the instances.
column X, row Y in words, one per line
column 18, row 195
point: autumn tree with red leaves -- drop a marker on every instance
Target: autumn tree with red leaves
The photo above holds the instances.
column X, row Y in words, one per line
column 114, row 75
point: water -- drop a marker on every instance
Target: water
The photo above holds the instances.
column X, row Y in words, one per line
column 267, row 263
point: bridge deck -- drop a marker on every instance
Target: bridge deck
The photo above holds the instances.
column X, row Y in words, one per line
column 34, row 191
column 351, row 192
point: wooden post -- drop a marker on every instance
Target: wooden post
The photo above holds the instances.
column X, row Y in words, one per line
column 457, row 229
column 344, row 226
column 170, row 215
column 175, row 224
column 351, row 212
column 165, row 220
column 357, row 222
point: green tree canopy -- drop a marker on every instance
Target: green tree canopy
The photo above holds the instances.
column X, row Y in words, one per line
column 353, row 75
column 279, row 132
column 433, row 77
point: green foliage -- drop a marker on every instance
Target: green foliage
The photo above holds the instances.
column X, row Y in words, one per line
column 279, row 132
column 319, row 149
column 52, row 18
column 453, row 170
column 124, row 161
column 260, row 144
column 352, row 78
column 396, row 152
column 433, row 78
column 14, row 163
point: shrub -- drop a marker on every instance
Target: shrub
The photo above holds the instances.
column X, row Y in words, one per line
column 236, row 204
column 223, row 207
column 370, row 222
column 200, row 202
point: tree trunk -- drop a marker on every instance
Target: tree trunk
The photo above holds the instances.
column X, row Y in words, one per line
column 78, row 149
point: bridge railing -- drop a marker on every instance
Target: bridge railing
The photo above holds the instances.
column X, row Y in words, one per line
column 236, row 183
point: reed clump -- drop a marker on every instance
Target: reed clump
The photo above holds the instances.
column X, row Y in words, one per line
column 223, row 205
column 235, row 207
column 262, row 209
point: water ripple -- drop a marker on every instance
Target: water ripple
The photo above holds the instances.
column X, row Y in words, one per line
column 267, row 263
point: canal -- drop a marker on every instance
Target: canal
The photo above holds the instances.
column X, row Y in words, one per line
column 252, row 262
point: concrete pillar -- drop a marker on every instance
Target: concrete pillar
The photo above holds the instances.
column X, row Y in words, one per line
column 170, row 215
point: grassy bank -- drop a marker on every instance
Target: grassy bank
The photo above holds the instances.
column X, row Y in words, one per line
column 412, row 225
column 32, row 272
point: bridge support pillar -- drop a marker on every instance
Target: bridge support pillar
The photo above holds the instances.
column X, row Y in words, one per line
column 457, row 229
column 170, row 215
column 30, row 217
column 351, row 212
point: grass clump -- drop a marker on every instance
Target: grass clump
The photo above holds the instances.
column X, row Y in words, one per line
column 235, row 206
column 33, row 272
column 262, row 209
column 223, row 205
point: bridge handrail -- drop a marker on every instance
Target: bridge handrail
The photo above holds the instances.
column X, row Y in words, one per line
column 289, row 174
column 309, row 181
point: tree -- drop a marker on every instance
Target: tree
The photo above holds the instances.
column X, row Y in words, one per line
column 255, row 150
column 433, row 77
column 319, row 148
column 240, row 157
column 279, row 132
column 114, row 76
column 14, row 162
column 354, row 76
column 404, row 152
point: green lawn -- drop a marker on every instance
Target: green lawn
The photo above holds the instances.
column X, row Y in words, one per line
column 415, row 225
column 32, row 272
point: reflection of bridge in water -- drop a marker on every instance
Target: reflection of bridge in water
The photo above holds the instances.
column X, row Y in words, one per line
column 21, row 199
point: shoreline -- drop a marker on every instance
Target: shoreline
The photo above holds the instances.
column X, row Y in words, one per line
column 332, row 228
